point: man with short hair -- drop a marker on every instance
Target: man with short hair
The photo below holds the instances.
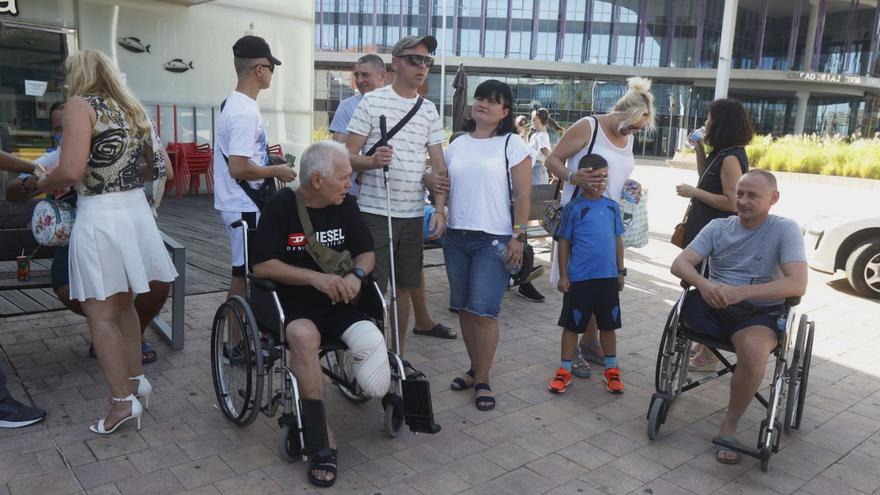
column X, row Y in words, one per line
column 404, row 156
column 319, row 305
column 369, row 74
column 242, row 172
column 755, row 258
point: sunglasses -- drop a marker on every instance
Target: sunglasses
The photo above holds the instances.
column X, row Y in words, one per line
column 416, row 60
column 271, row 67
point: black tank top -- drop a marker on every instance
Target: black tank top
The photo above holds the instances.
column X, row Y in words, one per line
column 702, row 213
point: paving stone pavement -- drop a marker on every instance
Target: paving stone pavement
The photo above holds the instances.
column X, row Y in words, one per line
column 584, row 442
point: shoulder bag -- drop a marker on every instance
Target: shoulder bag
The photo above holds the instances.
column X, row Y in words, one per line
column 678, row 233
column 528, row 258
column 554, row 209
column 329, row 260
column 267, row 188
column 52, row 222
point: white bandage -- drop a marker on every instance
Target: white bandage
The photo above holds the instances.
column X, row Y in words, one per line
column 369, row 358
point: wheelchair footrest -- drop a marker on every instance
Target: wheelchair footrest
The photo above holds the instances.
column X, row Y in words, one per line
column 314, row 424
column 417, row 410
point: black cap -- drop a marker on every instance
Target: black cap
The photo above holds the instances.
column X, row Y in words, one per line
column 253, row 47
column 410, row 41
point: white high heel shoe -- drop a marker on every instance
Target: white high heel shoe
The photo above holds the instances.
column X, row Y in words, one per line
column 137, row 410
column 144, row 390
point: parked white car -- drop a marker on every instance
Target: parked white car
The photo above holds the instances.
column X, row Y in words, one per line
column 849, row 243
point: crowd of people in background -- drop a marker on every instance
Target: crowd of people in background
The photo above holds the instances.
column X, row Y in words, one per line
column 473, row 198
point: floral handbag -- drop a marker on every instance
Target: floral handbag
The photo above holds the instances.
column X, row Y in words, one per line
column 52, row 222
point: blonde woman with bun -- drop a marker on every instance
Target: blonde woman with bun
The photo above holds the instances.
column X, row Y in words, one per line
column 633, row 112
column 115, row 247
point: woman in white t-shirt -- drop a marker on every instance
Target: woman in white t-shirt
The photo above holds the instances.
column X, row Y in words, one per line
column 633, row 112
column 539, row 143
column 480, row 215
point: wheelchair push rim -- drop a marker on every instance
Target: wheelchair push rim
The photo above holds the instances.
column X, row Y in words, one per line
column 798, row 374
column 237, row 368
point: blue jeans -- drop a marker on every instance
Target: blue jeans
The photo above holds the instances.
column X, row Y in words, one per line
column 477, row 276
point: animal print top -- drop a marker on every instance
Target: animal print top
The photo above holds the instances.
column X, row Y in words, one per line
column 115, row 156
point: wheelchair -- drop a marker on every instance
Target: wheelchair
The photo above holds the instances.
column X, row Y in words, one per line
column 788, row 383
column 248, row 355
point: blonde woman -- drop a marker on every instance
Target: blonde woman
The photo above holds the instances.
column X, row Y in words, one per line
column 115, row 247
column 633, row 112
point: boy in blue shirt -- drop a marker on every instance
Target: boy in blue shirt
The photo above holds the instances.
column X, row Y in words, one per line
column 591, row 275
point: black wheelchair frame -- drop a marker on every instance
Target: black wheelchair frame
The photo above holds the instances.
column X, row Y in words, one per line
column 792, row 367
column 302, row 422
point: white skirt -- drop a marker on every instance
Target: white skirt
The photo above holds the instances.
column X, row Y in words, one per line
column 116, row 247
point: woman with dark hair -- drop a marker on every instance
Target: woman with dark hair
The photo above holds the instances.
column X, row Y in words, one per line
column 728, row 131
column 480, row 225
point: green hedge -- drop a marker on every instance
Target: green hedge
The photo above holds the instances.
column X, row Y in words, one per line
column 824, row 155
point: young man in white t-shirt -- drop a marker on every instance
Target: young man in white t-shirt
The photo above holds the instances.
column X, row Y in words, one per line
column 405, row 158
column 241, row 149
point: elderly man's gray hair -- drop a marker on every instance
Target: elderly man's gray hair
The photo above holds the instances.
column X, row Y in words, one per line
column 318, row 159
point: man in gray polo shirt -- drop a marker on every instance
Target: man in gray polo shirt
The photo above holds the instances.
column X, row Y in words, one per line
column 755, row 257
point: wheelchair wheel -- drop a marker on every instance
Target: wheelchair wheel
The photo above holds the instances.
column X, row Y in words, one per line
column 798, row 370
column 341, row 365
column 289, row 447
column 805, row 376
column 393, row 416
column 237, row 361
column 656, row 415
column 670, row 360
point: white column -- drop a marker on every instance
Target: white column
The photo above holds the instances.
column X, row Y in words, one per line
column 810, row 46
column 800, row 117
column 728, row 25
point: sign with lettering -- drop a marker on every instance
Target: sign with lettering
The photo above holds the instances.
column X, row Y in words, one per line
column 8, row 7
column 828, row 78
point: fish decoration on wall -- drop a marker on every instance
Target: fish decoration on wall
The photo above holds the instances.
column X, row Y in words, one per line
column 178, row 66
column 133, row 44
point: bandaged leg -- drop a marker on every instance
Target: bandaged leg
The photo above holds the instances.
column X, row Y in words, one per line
column 369, row 358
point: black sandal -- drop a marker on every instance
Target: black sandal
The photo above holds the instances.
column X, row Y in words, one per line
column 325, row 460
column 440, row 331
column 484, row 402
column 458, row 384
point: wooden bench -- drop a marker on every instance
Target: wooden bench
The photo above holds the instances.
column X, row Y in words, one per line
column 15, row 236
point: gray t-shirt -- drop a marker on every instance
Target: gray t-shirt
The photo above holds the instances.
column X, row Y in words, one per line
column 739, row 256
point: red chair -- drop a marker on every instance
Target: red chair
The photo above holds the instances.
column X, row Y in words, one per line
column 174, row 154
column 196, row 160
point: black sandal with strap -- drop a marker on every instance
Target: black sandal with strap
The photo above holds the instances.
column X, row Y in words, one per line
column 325, row 460
column 484, row 402
column 458, row 384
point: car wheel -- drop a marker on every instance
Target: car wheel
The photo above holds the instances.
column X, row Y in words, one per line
column 863, row 268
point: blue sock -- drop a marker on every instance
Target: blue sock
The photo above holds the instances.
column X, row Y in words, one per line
column 610, row 361
column 565, row 364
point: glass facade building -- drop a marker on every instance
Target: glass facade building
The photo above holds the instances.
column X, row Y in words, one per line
column 818, row 55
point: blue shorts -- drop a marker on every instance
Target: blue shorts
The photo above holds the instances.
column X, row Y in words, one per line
column 702, row 318
column 477, row 276
column 599, row 297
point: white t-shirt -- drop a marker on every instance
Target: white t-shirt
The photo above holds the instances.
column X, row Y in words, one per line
column 538, row 141
column 408, row 158
column 479, row 193
column 239, row 131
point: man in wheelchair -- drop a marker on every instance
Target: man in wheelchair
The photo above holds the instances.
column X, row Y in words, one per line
column 756, row 260
column 320, row 303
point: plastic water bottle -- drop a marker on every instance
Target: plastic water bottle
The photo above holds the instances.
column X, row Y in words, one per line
column 501, row 251
column 696, row 137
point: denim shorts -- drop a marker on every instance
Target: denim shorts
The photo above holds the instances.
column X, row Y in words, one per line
column 477, row 276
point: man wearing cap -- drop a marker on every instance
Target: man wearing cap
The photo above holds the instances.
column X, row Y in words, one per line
column 404, row 155
column 241, row 158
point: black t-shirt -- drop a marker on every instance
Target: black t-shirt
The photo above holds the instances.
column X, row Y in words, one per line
column 280, row 236
column 702, row 213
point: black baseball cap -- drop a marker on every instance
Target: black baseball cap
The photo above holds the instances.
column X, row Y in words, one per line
column 253, row 47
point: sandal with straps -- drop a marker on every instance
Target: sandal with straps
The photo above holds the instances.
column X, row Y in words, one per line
column 136, row 412
column 458, row 384
column 484, row 402
column 325, row 460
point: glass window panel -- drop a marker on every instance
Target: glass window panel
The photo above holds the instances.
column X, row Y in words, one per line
column 204, row 132
column 185, row 124
column 167, row 125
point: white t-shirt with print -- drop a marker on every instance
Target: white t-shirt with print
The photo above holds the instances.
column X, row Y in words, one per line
column 408, row 158
column 239, row 131
column 479, row 193
column 538, row 141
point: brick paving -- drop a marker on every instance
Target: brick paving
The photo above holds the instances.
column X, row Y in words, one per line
column 584, row 442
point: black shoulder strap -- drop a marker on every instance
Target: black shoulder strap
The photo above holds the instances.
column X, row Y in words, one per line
column 589, row 152
column 509, row 182
column 406, row 118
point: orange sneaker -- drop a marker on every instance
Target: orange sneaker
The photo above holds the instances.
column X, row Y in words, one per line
column 612, row 380
column 560, row 381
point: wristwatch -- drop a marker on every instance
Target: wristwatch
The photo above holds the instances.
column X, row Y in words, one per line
column 359, row 273
column 522, row 237
column 622, row 272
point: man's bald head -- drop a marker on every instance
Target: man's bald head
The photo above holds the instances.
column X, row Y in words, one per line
column 769, row 178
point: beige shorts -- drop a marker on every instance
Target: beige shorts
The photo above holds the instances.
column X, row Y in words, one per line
column 407, row 250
